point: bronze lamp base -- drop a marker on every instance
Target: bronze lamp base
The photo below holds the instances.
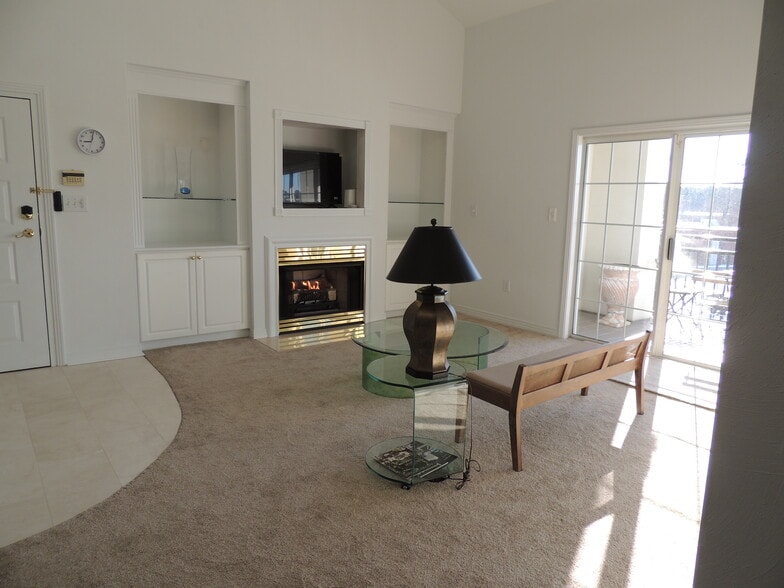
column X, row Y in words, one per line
column 429, row 323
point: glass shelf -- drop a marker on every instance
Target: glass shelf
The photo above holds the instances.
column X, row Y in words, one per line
column 217, row 199
column 451, row 460
column 391, row 370
column 404, row 216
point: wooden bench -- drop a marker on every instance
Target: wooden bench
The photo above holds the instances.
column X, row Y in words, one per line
column 522, row 384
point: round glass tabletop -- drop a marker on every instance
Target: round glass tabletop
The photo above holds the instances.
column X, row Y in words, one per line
column 470, row 339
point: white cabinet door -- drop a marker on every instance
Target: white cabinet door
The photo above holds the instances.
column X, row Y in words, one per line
column 185, row 293
column 167, row 283
column 222, row 290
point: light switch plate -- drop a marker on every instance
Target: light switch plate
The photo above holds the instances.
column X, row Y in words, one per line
column 74, row 203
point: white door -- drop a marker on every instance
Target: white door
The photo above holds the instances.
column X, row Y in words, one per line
column 24, row 339
column 624, row 191
column 701, row 247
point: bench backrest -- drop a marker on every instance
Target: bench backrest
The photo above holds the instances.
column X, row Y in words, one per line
column 542, row 381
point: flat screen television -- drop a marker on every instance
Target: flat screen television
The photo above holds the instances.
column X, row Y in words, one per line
column 312, row 179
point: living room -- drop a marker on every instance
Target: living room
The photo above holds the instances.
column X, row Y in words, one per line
column 517, row 87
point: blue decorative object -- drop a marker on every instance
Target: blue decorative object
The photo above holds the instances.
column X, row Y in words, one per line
column 183, row 155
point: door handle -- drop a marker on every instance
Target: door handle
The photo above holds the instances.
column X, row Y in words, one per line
column 26, row 233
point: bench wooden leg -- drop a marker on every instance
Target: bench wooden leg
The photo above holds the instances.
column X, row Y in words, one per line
column 584, row 391
column 639, row 386
column 516, row 442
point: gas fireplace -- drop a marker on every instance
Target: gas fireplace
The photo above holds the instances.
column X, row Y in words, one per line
column 320, row 287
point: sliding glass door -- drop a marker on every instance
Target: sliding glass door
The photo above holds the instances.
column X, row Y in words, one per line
column 701, row 251
column 658, row 220
column 624, row 194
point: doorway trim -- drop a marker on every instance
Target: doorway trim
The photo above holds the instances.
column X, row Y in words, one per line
column 580, row 137
column 37, row 98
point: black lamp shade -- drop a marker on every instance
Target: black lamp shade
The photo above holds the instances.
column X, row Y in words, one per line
column 433, row 255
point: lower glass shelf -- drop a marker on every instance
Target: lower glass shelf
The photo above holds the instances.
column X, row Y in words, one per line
column 413, row 460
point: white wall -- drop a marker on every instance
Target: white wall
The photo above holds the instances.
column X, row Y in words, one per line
column 531, row 79
column 342, row 58
column 742, row 530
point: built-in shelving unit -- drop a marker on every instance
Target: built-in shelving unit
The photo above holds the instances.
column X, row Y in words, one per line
column 191, row 201
column 202, row 121
column 420, row 183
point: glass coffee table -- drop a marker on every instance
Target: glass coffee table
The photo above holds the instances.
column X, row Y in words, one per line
column 470, row 346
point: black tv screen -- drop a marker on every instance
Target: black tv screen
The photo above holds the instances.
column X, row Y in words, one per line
column 312, row 179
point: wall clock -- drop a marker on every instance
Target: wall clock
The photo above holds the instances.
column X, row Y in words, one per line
column 90, row 141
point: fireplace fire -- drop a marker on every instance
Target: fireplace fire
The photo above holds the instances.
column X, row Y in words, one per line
column 313, row 293
column 320, row 287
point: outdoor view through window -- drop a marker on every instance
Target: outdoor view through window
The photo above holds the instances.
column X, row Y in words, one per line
column 659, row 222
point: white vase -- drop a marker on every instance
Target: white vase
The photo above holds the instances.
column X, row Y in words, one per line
column 619, row 287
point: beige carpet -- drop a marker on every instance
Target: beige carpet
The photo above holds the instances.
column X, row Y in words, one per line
column 265, row 485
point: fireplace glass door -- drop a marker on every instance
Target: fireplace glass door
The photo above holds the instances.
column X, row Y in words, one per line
column 318, row 295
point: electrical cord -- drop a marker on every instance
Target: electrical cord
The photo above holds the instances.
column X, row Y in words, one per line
column 465, row 478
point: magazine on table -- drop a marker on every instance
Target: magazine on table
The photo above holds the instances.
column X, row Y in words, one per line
column 415, row 459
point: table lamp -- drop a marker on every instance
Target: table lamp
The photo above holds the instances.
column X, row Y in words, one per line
column 431, row 254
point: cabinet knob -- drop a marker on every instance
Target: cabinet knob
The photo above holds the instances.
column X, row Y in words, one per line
column 195, row 257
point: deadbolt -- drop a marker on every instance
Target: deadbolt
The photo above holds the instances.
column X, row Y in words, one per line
column 27, row 212
column 26, row 233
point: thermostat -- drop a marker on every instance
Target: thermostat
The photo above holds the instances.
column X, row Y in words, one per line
column 73, row 177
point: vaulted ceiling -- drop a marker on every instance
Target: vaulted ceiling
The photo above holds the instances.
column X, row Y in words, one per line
column 473, row 12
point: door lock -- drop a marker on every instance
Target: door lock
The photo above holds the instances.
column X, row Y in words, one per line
column 26, row 233
column 27, row 212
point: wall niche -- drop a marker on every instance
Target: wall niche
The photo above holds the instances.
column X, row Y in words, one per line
column 190, row 158
column 308, row 150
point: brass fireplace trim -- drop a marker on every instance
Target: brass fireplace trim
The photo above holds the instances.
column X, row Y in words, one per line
column 288, row 256
column 321, row 321
column 305, row 255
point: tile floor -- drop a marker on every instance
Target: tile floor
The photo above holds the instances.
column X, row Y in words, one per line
column 72, row 436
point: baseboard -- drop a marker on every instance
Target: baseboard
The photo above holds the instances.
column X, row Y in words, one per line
column 506, row 320
column 103, row 355
column 195, row 339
